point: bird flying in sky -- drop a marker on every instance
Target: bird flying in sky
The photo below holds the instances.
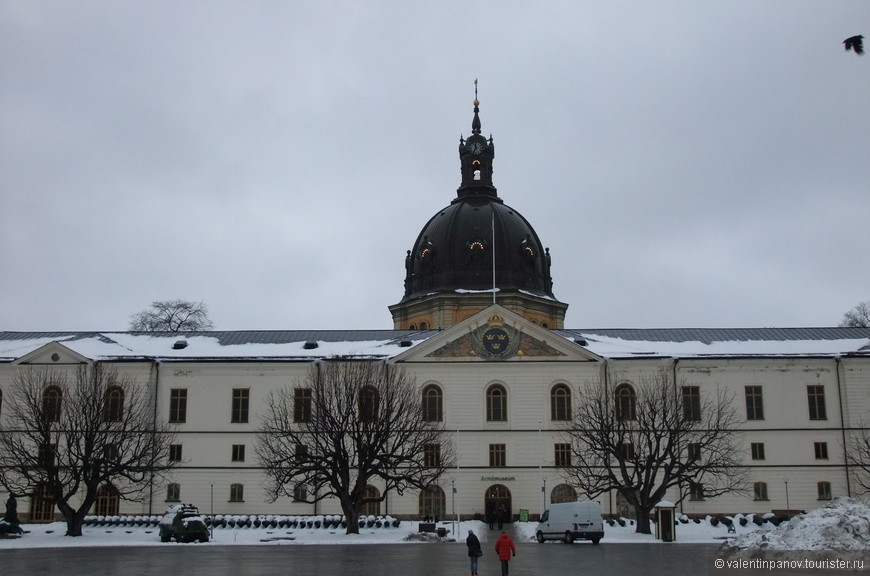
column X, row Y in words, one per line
column 855, row 43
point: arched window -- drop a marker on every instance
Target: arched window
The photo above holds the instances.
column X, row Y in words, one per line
column 432, row 503
column 108, row 501
column 433, row 404
column 424, row 325
column 563, row 493
column 412, row 326
column 368, row 404
column 560, row 402
column 113, row 404
column 496, row 403
column 52, row 398
column 41, row 505
column 373, row 506
column 625, row 402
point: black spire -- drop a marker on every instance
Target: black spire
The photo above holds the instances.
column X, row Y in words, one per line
column 475, row 124
column 476, row 155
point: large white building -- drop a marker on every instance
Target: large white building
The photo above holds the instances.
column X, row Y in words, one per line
column 477, row 274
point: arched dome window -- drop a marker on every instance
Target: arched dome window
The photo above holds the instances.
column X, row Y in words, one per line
column 496, row 403
column 626, row 402
column 560, row 402
column 52, row 399
column 433, row 404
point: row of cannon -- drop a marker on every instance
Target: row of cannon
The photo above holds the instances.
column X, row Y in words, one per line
column 326, row 521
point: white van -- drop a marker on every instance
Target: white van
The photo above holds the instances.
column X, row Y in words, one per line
column 571, row 521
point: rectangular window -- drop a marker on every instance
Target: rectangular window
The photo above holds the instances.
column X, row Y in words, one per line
column 497, row 457
column 237, row 493
column 816, row 401
column 432, row 455
column 175, row 452
column 110, row 453
column 821, row 450
column 754, row 403
column 302, row 405
column 301, row 454
column 241, row 398
column 692, row 403
column 173, row 492
column 238, row 452
column 563, row 455
column 824, row 489
column 693, row 452
column 759, row 491
column 626, row 451
column 300, row 493
column 178, row 405
column 757, row 450
column 47, row 455
column 696, row 491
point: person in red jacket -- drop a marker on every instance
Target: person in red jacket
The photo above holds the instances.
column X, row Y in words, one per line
column 505, row 549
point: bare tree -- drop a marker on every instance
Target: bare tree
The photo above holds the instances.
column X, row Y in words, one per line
column 858, row 456
column 645, row 439
column 345, row 424
column 172, row 316
column 857, row 317
column 68, row 433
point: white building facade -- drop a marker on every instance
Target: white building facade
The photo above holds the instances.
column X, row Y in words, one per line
column 802, row 394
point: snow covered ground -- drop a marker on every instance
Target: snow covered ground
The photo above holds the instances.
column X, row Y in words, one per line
column 842, row 525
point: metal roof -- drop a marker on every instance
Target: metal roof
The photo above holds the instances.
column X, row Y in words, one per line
column 709, row 335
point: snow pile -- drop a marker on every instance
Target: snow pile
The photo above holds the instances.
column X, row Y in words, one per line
column 844, row 524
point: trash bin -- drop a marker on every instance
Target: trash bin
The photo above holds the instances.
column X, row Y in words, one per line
column 666, row 526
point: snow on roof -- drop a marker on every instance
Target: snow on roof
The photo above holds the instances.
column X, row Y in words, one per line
column 721, row 342
column 303, row 345
column 313, row 344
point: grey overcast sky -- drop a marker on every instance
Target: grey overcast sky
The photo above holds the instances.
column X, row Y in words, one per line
column 689, row 164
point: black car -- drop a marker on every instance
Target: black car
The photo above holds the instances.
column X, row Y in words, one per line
column 184, row 523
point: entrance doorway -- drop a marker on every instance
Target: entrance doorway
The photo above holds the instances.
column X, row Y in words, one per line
column 497, row 503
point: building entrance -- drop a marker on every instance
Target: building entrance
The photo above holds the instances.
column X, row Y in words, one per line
column 497, row 503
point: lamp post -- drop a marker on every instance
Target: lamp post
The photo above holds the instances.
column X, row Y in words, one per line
column 211, row 524
column 787, row 507
column 455, row 518
column 541, row 470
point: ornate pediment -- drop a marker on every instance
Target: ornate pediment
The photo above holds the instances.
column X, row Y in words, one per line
column 496, row 340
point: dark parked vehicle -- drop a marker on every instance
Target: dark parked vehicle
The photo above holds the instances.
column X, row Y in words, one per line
column 183, row 523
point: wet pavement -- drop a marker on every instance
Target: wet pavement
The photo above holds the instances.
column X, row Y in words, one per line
column 430, row 559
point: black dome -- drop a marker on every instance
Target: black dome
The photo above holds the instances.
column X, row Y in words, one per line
column 454, row 251
column 475, row 244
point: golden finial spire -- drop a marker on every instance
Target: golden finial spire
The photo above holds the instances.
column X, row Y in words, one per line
column 476, row 102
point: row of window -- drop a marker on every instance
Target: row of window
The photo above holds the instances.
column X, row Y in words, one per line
column 820, row 450
column 433, row 403
column 815, row 402
column 52, row 402
column 498, row 453
column 759, row 491
column 237, row 453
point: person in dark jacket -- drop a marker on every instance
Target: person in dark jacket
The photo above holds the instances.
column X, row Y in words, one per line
column 474, row 550
column 505, row 549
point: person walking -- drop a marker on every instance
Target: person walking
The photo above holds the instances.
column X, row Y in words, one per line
column 474, row 550
column 505, row 549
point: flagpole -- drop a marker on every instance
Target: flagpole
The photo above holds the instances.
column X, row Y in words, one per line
column 493, row 256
